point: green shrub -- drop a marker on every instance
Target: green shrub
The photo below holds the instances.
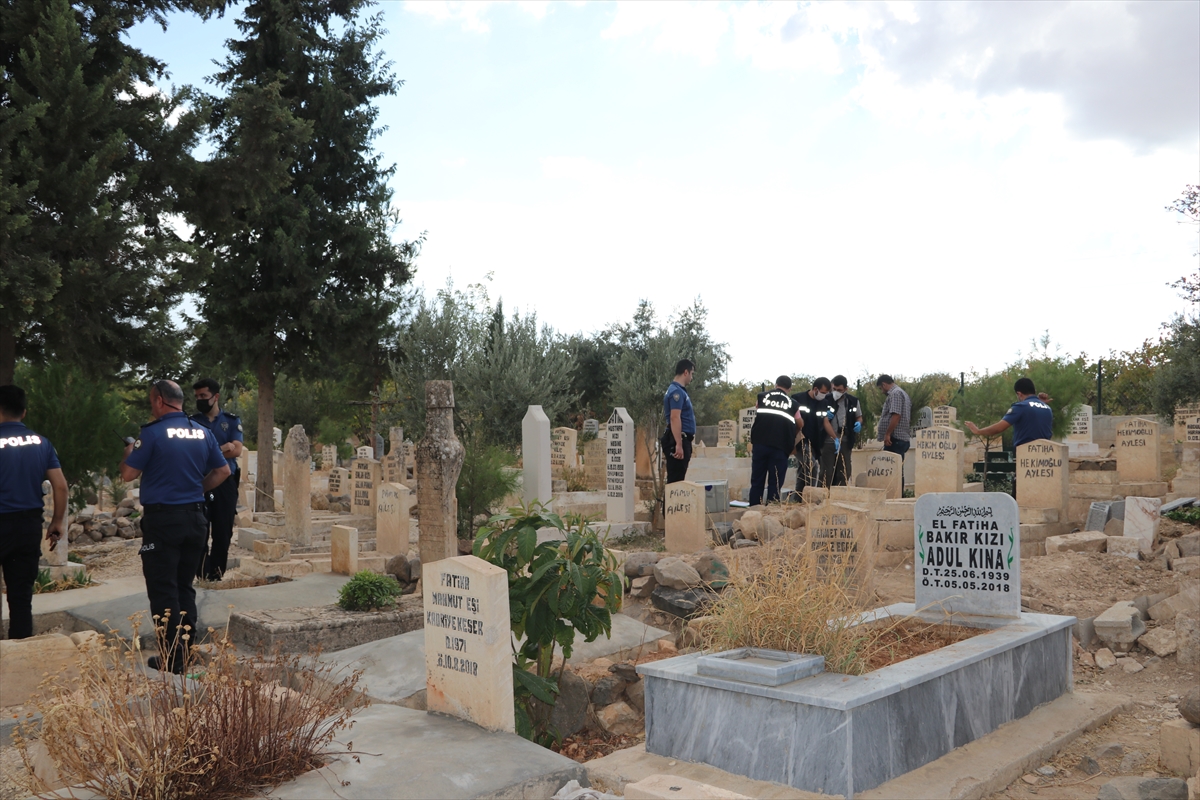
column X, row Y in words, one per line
column 368, row 590
column 1190, row 514
column 483, row 483
column 75, row 558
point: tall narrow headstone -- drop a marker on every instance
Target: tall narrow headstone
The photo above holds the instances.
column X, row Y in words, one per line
column 883, row 472
column 395, row 439
column 535, row 456
column 468, row 650
column 343, row 550
column 439, row 461
column 726, row 432
column 745, row 423
column 968, row 554
column 684, row 511
column 1137, row 451
column 939, row 457
column 1042, row 475
column 619, row 466
column 1081, row 425
column 392, row 467
column 297, row 485
column 945, row 416
column 276, row 437
column 364, row 478
column 393, row 509
column 563, row 442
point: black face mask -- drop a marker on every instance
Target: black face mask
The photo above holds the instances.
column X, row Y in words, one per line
column 204, row 404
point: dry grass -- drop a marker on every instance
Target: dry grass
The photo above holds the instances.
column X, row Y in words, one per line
column 231, row 727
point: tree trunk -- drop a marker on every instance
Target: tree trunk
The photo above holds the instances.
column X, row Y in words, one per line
column 8, row 355
column 265, row 480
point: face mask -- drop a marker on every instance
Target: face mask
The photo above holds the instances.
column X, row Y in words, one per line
column 837, row 395
column 204, row 405
column 821, row 395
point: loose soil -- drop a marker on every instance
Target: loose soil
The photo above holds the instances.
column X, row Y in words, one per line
column 909, row 639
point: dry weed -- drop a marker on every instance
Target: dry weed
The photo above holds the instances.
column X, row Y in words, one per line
column 225, row 728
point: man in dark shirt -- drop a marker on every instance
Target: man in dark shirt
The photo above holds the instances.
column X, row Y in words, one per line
column 773, row 436
column 26, row 459
column 813, row 414
column 680, row 422
column 1030, row 418
column 221, row 501
column 847, row 423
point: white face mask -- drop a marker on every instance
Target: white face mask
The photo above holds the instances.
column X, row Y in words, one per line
column 837, row 395
column 821, row 395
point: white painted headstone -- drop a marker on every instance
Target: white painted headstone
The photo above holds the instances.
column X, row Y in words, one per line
column 726, row 432
column 365, row 451
column 1081, row 425
column 619, row 466
column 745, row 423
column 535, row 456
column 591, row 426
column 968, row 554
column 945, row 416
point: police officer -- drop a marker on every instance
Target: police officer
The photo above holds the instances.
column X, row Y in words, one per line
column 847, row 423
column 178, row 462
column 26, row 459
column 773, row 436
column 680, row 420
column 815, row 414
column 221, row 501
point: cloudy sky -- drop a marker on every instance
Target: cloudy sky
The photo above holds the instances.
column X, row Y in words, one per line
column 856, row 188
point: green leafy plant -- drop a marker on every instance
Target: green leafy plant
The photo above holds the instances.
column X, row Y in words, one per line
column 75, row 558
column 483, row 483
column 44, row 583
column 556, row 590
column 1190, row 514
column 367, row 591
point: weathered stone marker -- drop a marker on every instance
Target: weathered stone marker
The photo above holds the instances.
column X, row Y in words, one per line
column 1142, row 515
column 364, row 477
column 1137, row 451
column 1081, row 425
column 939, row 466
column 619, row 466
column 328, row 457
column 339, row 481
column 1042, row 475
column 591, row 426
column 393, row 509
column 595, row 459
column 535, row 457
column 276, row 437
column 439, row 460
column 968, row 554
column 726, row 432
column 745, row 423
column 563, row 442
column 944, row 416
column 468, row 650
column 883, row 472
column 842, row 536
column 365, row 451
column 297, row 484
column 684, row 509
column 343, row 550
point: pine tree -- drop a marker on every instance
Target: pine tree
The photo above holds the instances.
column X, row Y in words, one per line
column 297, row 216
column 90, row 166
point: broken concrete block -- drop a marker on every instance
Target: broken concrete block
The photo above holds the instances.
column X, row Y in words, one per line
column 1114, row 527
column 1120, row 626
column 1124, row 546
column 1187, row 599
column 1179, row 747
column 1188, row 565
column 271, row 550
column 1082, row 542
column 1160, row 641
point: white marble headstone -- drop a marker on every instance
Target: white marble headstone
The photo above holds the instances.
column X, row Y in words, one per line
column 619, row 466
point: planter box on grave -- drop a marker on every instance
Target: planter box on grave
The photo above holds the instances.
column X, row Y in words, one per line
column 299, row 630
column 842, row 734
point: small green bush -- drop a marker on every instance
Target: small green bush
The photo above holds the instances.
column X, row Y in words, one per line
column 1190, row 514
column 75, row 558
column 368, row 590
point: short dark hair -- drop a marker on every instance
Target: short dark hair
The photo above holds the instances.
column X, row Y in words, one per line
column 884, row 378
column 784, row 381
column 683, row 365
column 1025, row 386
column 839, row 380
column 169, row 391
column 12, row 400
column 207, row 383
column 821, row 383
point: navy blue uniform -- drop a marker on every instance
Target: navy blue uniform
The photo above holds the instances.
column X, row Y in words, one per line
column 774, row 437
column 1031, row 419
column 676, row 398
column 24, row 459
column 174, row 455
column 221, row 501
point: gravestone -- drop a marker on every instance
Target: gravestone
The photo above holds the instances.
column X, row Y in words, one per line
column 1080, row 429
column 745, row 423
column 392, row 467
column 468, row 650
column 619, row 467
column 1137, row 451
column 726, row 432
column 365, row 451
column 1184, row 413
column 924, row 418
column 1141, row 521
column 439, row 461
column 378, row 444
column 591, row 426
column 842, row 536
column 968, row 554
column 595, row 459
column 939, row 457
column 297, row 488
column 328, row 457
column 944, row 416
column 563, row 442
column 339, row 481
column 343, row 550
column 1191, row 430
column 364, row 477
column 1098, row 516
column 1043, row 479
column 393, row 509
column 395, row 440
column 277, row 468
column 276, row 437
column 684, row 511
column 535, row 457
column 883, row 472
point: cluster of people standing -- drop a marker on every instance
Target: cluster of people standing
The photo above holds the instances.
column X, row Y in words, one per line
column 188, row 469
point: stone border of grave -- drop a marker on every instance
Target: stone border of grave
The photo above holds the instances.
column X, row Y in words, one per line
column 332, row 628
column 841, row 734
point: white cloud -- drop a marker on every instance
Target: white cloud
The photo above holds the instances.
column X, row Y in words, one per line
column 472, row 15
column 692, row 29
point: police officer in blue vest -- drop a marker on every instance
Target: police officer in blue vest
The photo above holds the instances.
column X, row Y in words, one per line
column 222, row 501
column 26, row 459
column 178, row 461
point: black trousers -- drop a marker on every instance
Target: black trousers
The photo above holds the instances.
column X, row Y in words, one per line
column 20, row 550
column 676, row 467
column 835, row 465
column 221, row 506
column 173, row 543
column 768, row 469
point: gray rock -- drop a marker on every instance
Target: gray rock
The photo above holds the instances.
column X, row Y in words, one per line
column 398, row 565
column 682, row 603
column 675, row 573
column 1189, row 545
column 1110, row 750
column 1132, row 760
column 770, row 528
column 1047, row 771
column 1189, row 705
column 1187, row 637
column 1089, row 765
column 607, row 691
column 635, row 693
column 639, row 565
column 1135, row 788
column 741, row 543
column 1120, row 626
column 571, row 706
column 642, row 587
column 625, row 671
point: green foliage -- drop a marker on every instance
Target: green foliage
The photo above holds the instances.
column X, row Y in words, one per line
column 81, row 417
column 76, row 579
column 730, row 398
column 367, row 591
column 1177, row 381
column 553, row 589
column 1190, row 514
column 75, row 558
column 486, row 479
column 92, row 175
column 934, row 389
